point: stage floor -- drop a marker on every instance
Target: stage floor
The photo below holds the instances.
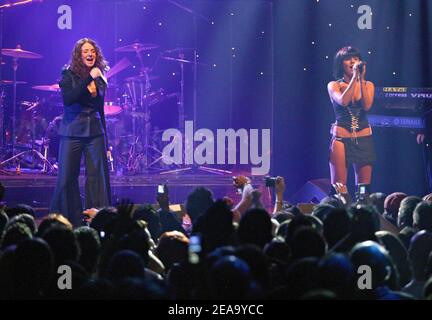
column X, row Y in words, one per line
column 36, row 189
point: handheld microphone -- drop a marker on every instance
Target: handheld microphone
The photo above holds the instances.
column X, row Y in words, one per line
column 110, row 158
column 361, row 66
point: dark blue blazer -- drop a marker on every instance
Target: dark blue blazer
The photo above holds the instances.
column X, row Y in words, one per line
column 83, row 114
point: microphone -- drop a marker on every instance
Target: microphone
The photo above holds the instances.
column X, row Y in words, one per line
column 361, row 66
column 104, row 79
column 110, row 158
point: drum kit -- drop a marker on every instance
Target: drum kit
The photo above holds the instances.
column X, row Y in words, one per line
column 132, row 132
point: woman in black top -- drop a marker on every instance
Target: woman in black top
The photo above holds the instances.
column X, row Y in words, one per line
column 352, row 96
column 82, row 131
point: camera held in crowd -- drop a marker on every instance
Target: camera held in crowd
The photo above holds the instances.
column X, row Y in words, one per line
column 270, row 181
column 162, row 189
column 362, row 194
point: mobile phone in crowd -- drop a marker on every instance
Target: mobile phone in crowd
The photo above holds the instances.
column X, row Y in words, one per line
column 161, row 189
column 194, row 249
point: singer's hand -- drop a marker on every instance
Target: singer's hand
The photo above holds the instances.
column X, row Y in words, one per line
column 92, row 89
column 363, row 72
column 95, row 72
column 420, row 138
column 356, row 70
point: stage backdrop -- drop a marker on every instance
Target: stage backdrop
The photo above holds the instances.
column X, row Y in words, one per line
column 231, row 87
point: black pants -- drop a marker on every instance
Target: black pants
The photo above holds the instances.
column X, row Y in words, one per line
column 66, row 199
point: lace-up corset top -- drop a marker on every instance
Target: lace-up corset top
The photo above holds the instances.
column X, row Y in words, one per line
column 352, row 117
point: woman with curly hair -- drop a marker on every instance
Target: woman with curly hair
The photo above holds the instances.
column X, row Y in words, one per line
column 82, row 131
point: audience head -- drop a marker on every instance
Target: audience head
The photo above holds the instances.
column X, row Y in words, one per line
column 18, row 209
column 26, row 219
column 198, row 202
column 63, row 244
column 398, row 253
column 149, row 215
column 422, row 216
column 307, row 242
column 337, row 225
column 418, row 252
column 172, row 248
column 372, row 254
column 104, row 222
column 15, row 234
column 215, row 226
column 255, row 227
column 336, row 273
column 33, row 269
column 90, row 247
column 377, row 199
column 230, row 279
column 392, row 203
column 365, row 222
column 125, row 264
column 53, row 219
column 322, row 210
column 406, row 210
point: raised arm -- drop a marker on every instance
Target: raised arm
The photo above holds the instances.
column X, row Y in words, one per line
column 367, row 90
column 279, row 190
column 344, row 98
column 246, row 201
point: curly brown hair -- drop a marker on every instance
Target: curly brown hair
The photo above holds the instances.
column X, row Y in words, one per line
column 76, row 64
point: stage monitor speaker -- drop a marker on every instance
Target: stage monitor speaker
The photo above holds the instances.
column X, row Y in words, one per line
column 311, row 192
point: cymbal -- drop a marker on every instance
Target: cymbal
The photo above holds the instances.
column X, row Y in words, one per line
column 176, row 59
column 118, row 67
column 137, row 47
column 179, row 50
column 182, row 60
column 20, row 53
column 141, row 78
column 50, row 87
column 11, row 82
column 30, row 105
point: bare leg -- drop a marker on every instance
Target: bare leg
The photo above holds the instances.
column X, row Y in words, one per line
column 338, row 169
column 363, row 173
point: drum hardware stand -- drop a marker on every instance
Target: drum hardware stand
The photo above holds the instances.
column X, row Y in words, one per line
column 37, row 153
column 194, row 167
column 46, row 164
column 15, row 66
column 134, row 156
column 195, row 15
column 14, row 95
column 1, row 124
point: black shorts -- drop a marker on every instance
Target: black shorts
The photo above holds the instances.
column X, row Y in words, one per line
column 359, row 150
